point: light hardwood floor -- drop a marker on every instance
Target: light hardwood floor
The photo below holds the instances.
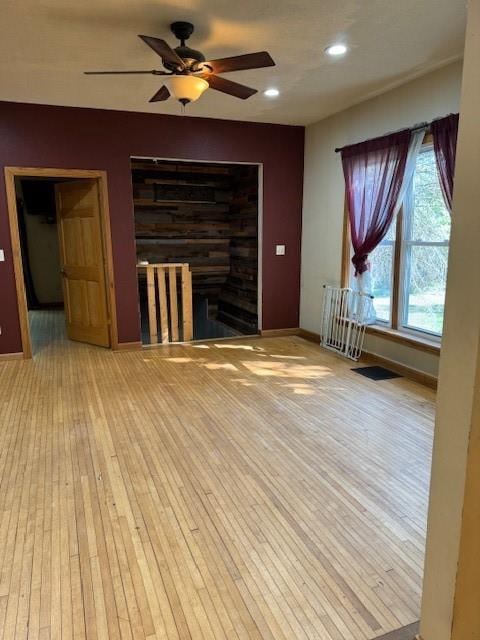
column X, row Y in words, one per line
column 252, row 489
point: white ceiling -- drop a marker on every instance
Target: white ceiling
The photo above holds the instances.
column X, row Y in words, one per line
column 45, row 45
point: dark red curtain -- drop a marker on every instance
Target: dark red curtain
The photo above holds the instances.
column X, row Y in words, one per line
column 444, row 133
column 374, row 172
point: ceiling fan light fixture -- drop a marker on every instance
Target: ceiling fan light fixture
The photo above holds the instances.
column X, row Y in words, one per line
column 187, row 89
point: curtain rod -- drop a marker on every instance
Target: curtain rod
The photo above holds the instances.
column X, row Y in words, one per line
column 416, row 127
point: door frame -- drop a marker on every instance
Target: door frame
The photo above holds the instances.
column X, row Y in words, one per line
column 259, row 166
column 36, row 172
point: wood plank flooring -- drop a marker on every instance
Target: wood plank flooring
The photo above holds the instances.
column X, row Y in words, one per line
column 252, row 489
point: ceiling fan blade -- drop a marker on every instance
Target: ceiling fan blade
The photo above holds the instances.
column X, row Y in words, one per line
column 104, row 73
column 240, row 63
column 162, row 94
column 227, row 86
column 164, row 50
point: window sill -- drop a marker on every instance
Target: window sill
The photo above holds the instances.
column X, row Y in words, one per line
column 423, row 344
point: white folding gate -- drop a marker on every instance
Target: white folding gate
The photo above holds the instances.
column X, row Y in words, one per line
column 345, row 315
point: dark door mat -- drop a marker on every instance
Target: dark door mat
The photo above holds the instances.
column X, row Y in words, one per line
column 405, row 633
column 376, row 373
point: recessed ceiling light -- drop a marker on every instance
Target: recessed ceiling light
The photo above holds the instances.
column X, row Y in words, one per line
column 271, row 93
column 336, row 49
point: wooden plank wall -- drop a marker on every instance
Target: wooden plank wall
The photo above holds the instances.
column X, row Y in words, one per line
column 206, row 216
column 238, row 297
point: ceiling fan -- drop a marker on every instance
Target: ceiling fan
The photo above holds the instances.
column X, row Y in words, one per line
column 190, row 74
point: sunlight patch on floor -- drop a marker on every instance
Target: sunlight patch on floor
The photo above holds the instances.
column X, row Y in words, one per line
column 300, row 389
column 243, row 381
column 245, row 347
column 285, row 370
column 220, row 365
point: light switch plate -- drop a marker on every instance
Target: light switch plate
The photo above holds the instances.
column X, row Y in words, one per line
column 2, row 255
column 280, row 250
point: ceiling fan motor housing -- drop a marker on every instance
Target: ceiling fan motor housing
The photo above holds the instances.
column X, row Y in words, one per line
column 190, row 55
column 182, row 31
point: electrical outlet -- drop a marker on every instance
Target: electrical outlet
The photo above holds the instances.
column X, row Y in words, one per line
column 280, row 250
column 2, row 255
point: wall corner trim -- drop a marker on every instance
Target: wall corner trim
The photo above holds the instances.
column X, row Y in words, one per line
column 278, row 333
column 127, row 346
column 311, row 336
column 11, row 356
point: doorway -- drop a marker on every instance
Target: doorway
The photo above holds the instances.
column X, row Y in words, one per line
column 62, row 256
column 205, row 217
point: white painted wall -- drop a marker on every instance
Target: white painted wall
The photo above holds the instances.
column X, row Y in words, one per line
column 423, row 99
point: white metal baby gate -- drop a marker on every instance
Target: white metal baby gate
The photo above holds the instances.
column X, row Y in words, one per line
column 345, row 315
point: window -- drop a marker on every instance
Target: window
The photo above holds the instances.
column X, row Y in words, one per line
column 409, row 267
column 426, row 234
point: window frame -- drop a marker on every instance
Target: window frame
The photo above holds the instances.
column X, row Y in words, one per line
column 396, row 328
column 405, row 263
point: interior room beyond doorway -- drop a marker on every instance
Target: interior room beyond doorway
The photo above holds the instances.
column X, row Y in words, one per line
column 38, row 230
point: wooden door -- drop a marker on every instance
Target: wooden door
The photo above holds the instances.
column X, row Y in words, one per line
column 82, row 261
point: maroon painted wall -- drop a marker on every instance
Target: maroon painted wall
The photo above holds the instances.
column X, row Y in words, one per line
column 64, row 137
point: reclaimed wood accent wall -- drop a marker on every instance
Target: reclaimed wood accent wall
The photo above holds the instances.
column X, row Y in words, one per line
column 238, row 297
column 204, row 215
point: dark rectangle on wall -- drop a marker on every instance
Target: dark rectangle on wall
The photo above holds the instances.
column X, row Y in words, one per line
column 64, row 137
